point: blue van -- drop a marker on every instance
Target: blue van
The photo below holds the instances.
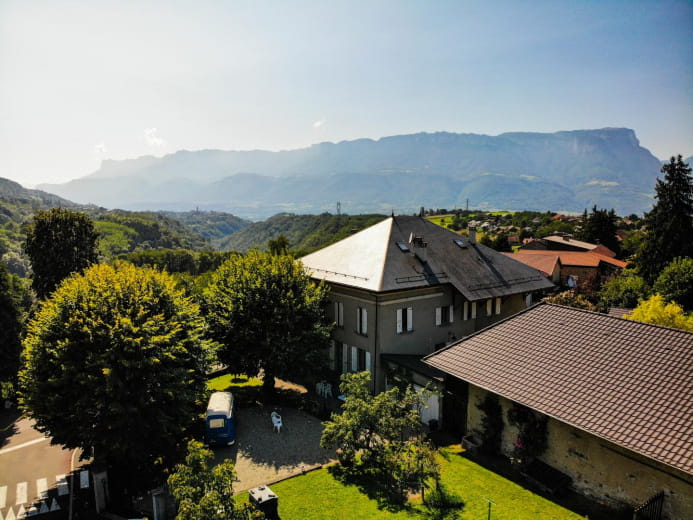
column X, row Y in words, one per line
column 220, row 421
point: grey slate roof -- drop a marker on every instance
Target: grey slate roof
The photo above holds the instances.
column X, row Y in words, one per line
column 628, row 382
column 372, row 260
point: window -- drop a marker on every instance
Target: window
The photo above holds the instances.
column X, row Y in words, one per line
column 361, row 321
column 333, row 355
column 489, row 307
column 473, row 306
column 360, row 360
column 405, row 320
column 345, row 358
column 469, row 311
column 355, row 359
column 444, row 315
column 339, row 314
column 403, row 246
column 216, row 423
column 498, row 305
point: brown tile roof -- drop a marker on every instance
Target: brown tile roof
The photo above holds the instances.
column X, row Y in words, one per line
column 380, row 259
column 628, row 382
column 574, row 258
column 546, row 263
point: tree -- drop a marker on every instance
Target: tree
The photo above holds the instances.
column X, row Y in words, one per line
column 279, row 245
column 10, row 345
column 571, row 299
column 204, row 493
column 624, row 289
column 599, row 227
column 669, row 225
column 656, row 310
column 380, row 435
column 59, row 242
column 675, row 283
column 116, row 365
column 268, row 315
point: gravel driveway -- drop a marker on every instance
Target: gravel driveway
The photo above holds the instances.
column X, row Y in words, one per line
column 263, row 456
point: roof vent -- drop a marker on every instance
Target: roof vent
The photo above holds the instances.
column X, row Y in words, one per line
column 460, row 243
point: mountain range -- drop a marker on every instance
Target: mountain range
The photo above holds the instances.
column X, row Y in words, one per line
column 563, row 171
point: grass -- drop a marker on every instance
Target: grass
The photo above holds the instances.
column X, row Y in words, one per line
column 319, row 495
column 232, row 382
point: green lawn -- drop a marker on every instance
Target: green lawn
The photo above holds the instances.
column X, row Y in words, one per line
column 319, row 496
column 230, row 382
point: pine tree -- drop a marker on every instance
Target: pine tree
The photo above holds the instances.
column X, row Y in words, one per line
column 670, row 223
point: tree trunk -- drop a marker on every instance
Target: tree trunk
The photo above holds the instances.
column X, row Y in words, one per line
column 268, row 383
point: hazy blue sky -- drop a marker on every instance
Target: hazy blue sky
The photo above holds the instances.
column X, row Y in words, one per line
column 82, row 81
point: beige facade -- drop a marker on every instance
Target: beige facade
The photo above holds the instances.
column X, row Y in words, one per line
column 600, row 469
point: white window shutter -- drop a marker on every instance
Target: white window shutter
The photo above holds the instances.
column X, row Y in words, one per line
column 473, row 310
column 364, row 321
column 368, row 361
column 489, row 307
column 399, row 321
column 439, row 313
column 465, row 310
column 345, row 358
column 354, row 359
column 452, row 313
column 410, row 318
column 498, row 305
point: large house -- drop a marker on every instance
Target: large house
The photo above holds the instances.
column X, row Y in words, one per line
column 618, row 395
column 405, row 287
column 564, row 242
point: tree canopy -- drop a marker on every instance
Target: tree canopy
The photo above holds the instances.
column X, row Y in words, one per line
column 624, row 289
column 599, row 227
column 205, row 493
column 675, row 283
column 10, row 345
column 59, row 242
column 116, row 360
column 659, row 312
column 268, row 315
column 669, row 224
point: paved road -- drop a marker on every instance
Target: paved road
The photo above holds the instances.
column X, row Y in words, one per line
column 35, row 476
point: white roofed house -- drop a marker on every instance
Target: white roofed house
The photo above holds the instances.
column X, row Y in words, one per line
column 405, row 287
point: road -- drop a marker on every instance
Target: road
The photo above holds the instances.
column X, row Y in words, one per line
column 35, row 476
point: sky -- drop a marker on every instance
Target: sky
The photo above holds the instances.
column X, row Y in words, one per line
column 91, row 80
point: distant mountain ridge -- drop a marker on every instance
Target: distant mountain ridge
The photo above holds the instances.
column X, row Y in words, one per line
column 563, row 171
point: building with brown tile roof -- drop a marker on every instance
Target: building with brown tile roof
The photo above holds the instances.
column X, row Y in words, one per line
column 618, row 394
column 565, row 242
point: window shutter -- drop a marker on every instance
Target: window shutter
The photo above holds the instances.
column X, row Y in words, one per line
column 341, row 314
column 358, row 319
column 399, row 321
column 489, row 307
column 452, row 313
column 439, row 318
column 498, row 305
column 333, row 353
column 473, row 310
column 354, row 359
column 336, row 313
column 410, row 318
column 465, row 311
column 364, row 321
column 368, row 361
column 345, row 358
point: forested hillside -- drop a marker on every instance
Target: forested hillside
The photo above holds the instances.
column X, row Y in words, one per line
column 213, row 225
column 305, row 233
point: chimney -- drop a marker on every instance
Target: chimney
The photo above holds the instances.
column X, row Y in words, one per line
column 421, row 212
column 419, row 248
column 472, row 235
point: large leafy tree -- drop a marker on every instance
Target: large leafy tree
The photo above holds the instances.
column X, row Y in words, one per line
column 59, row 242
column 268, row 315
column 660, row 312
column 624, row 289
column 670, row 222
column 115, row 364
column 381, row 436
column 599, row 227
column 675, row 283
column 10, row 345
column 203, row 492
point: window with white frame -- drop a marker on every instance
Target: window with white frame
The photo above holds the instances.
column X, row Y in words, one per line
column 489, row 307
column 405, row 320
column 498, row 305
column 355, row 359
column 361, row 320
column 445, row 315
column 339, row 314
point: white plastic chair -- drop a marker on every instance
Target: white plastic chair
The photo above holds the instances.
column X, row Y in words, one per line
column 276, row 422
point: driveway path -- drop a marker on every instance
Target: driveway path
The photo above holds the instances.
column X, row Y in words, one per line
column 263, row 456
